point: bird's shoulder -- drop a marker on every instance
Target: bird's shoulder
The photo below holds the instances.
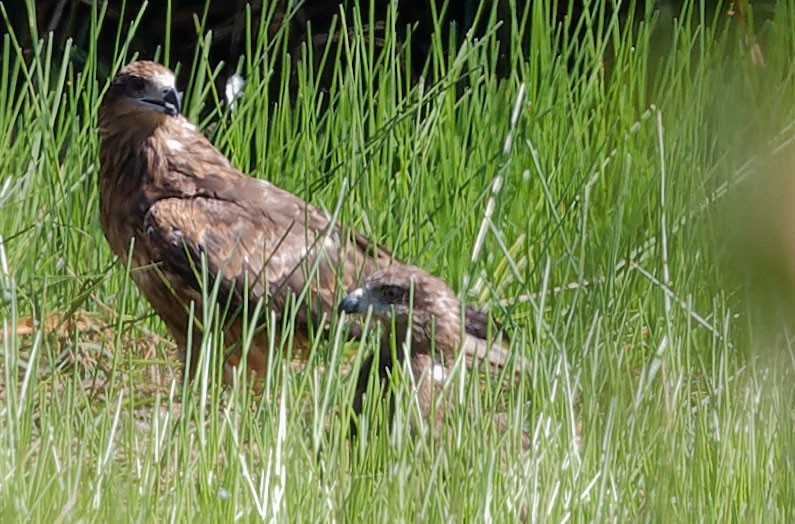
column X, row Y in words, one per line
column 195, row 167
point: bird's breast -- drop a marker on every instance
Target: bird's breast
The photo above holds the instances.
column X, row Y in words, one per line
column 123, row 197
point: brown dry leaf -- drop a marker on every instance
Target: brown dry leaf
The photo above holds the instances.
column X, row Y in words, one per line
column 28, row 325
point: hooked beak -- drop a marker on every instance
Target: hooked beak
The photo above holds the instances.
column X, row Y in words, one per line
column 166, row 102
column 354, row 302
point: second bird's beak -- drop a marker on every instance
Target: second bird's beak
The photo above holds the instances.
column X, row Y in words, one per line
column 354, row 302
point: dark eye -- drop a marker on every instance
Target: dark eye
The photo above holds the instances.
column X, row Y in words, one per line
column 137, row 83
column 393, row 294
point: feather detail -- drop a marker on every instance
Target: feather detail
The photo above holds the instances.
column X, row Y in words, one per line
column 167, row 194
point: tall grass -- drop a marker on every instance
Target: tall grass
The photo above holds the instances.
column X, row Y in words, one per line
column 583, row 200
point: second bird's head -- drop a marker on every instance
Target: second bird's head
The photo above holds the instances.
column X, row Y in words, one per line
column 398, row 292
column 382, row 293
column 145, row 91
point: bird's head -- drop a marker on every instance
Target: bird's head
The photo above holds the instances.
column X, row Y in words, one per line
column 386, row 292
column 142, row 90
column 398, row 292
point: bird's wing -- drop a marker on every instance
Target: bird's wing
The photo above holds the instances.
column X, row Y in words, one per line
column 478, row 349
column 477, row 322
column 263, row 243
column 480, row 345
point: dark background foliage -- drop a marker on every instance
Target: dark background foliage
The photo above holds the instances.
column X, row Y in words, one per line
column 296, row 26
column 310, row 21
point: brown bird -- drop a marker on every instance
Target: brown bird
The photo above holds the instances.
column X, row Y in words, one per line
column 423, row 315
column 174, row 206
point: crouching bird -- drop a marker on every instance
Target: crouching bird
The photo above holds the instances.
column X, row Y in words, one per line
column 187, row 220
column 422, row 315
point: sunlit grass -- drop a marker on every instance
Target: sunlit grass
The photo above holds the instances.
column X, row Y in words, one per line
column 582, row 200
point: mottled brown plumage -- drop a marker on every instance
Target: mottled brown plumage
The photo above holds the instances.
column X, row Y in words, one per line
column 169, row 200
column 165, row 187
column 422, row 315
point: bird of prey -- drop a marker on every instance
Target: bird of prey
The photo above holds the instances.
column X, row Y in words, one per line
column 186, row 219
column 421, row 323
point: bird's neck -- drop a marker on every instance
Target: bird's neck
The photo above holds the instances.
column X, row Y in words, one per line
column 125, row 126
column 128, row 157
column 439, row 338
column 398, row 333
